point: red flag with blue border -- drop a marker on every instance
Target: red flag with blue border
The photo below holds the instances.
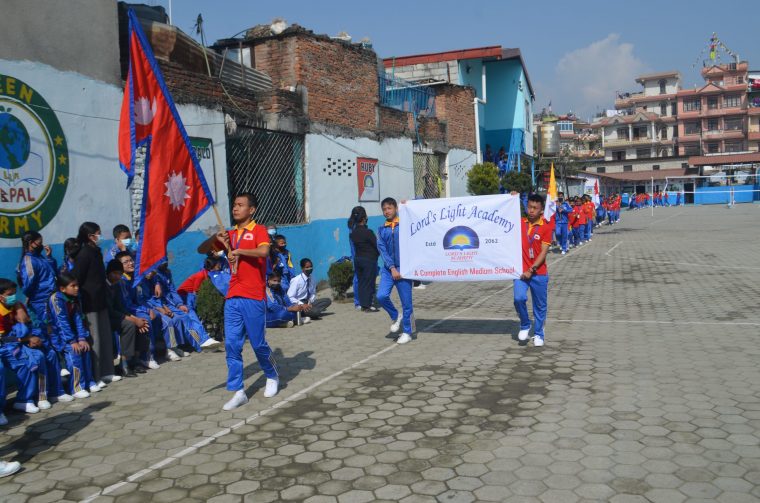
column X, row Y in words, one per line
column 175, row 192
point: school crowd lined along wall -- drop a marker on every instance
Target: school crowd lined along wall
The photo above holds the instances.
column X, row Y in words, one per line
column 58, row 168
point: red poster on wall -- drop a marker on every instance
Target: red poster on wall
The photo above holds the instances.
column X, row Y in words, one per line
column 368, row 177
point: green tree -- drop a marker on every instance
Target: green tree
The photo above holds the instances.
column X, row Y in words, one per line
column 483, row 179
column 515, row 181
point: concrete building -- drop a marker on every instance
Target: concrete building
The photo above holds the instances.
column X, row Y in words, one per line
column 505, row 96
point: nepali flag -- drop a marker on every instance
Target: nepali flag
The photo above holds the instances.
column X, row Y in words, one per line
column 175, row 192
column 595, row 198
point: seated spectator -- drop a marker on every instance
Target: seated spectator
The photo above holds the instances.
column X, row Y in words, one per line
column 303, row 290
column 198, row 338
column 122, row 242
column 281, row 312
column 130, row 331
column 70, row 336
column 282, row 261
column 20, row 351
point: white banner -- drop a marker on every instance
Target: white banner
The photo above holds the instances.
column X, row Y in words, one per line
column 461, row 239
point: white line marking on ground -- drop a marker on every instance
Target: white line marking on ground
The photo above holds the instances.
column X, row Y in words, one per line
column 611, row 249
column 692, row 264
column 207, row 440
column 647, row 322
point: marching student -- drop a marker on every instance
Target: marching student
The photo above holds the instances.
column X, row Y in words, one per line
column 20, row 351
column 303, row 290
column 590, row 210
column 562, row 219
column 245, row 307
column 71, row 338
column 388, row 246
column 578, row 221
column 280, row 310
column 37, row 272
column 536, row 239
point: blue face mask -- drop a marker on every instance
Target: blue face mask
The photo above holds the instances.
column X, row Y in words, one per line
column 10, row 300
column 127, row 243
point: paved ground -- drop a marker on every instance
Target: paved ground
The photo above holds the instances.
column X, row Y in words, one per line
column 648, row 390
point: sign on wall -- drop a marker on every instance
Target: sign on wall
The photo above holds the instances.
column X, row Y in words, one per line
column 368, row 175
column 34, row 159
column 461, row 239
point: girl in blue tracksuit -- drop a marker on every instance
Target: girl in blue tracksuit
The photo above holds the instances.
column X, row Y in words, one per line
column 37, row 275
column 388, row 246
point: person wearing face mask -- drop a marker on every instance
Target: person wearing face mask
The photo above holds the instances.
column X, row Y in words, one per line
column 282, row 260
column 281, row 312
column 123, row 241
column 90, row 272
column 36, row 272
column 562, row 229
column 303, row 290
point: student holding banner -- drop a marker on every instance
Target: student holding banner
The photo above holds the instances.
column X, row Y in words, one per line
column 536, row 239
column 388, row 246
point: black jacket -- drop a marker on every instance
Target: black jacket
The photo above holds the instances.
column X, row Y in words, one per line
column 91, row 275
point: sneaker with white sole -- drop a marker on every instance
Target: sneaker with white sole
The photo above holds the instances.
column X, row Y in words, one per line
column 210, row 343
column 102, row 384
column 62, row 398
column 523, row 335
column 271, row 388
column 172, row 355
column 43, row 404
column 111, row 378
column 404, row 338
column 9, row 468
column 81, row 394
column 153, row 364
column 396, row 324
column 236, row 401
column 538, row 340
column 94, row 388
column 65, row 373
column 3, row 419
column 305, row 320
column 29, row 408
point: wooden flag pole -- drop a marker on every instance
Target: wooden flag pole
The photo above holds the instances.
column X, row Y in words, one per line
column 233, row 268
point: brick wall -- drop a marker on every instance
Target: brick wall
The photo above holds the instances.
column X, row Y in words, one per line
column 394, row 122
column 340, row 78
column 454, row 107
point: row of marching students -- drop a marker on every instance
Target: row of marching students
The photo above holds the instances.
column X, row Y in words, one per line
column 88, row 321
column 576, row 218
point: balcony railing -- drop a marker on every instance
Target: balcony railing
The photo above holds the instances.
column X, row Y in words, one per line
column 406, row 96
column 642, row 140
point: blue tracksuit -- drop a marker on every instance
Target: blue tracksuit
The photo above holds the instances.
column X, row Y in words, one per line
column 388, row 246
column 561, row 219
column 278, row 303
column 172, row 327
column 284, row 264
column 136, row 302
column 245, row 316
column 38, row 274
column 196, row 332
column 538, row 286
column 67, row 322
column 29, row 367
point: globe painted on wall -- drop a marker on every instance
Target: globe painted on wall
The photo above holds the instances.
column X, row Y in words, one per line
column 14, row 142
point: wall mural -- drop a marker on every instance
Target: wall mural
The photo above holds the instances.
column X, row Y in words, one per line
column 34, row 159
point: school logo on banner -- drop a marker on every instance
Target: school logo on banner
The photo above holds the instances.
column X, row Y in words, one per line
column 369, row 179
column 461, row 239
column 34, row 159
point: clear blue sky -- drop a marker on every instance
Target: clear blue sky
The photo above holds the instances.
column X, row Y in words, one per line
column 578, row 53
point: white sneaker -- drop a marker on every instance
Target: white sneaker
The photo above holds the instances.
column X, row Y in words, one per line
column 290, row 324
column 396, row 324
column 94, row 388
column 102, row 384
column 153, row 364
column 3, row 419
column 172, row 355
column 538, row 341
column 81, row 394
column 523, row 335
column 111, row 378
column 9, row 468
column 404, row 338
column 29, row 408
column 43, row 405
column 564, row 252
column 210, row 343
column 236, row 401
column 271, row 388
column 358, row 308
column 62, row 398
column 421, row 286
column 305, row 320
column 65, row 373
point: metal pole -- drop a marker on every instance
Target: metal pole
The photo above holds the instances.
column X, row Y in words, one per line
column 652, row 198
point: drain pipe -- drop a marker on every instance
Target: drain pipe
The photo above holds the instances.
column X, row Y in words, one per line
column 475, row 103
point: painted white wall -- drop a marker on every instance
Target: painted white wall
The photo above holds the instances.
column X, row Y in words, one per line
column 96, row 188
column 458, row 164
column 331, row 196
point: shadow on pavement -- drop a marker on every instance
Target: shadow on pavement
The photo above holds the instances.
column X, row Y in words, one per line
column 49, row 432
column 473, row 326
column 287, row 368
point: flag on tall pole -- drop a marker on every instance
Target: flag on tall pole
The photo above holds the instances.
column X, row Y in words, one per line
column 595, row 199
column 550, row 208
column 175, row 192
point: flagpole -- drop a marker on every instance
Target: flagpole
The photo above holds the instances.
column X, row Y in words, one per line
column 222, row 228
